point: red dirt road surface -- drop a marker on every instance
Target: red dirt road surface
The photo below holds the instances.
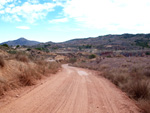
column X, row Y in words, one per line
column 73, row 90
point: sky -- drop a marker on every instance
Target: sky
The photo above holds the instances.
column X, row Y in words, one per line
column 61, row 20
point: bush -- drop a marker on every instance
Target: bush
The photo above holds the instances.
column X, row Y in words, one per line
column 2, row 62
column 39, row 49
column 28, row 49
column 28, row 76
column 53, row 67
column 22, row 58
column 41, row 66
column 3, row 88
column 12, row 51
column 72, row 60
column 3, row 85
column 26, row 79
column 17, row 46
column 147, row 73
column 92, row 56
column 147, row 53
column 5, row 45
column 139, row 90
column 47, row 67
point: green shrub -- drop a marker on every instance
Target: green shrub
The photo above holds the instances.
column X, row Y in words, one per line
column 17, row 46
column 5, row 45
column 28, row 49
column 147, row 53
column 92, row 56
column 39, row 49
column 12, row 52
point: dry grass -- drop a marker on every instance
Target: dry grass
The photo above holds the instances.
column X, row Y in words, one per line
column 144, row 105
column 2, row 62
column 53, row 67
column 3, row 85
column 131, row 75
column 20, row 71
column 139, row 90
column 47, row 67
column 22, row 58
column 28, row 77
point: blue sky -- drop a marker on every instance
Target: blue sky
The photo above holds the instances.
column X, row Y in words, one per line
column 61, row 20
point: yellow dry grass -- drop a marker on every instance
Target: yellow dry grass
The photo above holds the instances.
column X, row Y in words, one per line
column 22, row 72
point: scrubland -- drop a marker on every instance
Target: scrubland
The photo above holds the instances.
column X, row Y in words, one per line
column 130, row 74
column 20, row 70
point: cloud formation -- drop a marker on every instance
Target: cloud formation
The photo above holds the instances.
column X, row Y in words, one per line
column 23, row 27
column 31, row 10
column 59, row 20
column 110, row 14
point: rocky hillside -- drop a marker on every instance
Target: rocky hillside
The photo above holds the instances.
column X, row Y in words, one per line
column 109, row 42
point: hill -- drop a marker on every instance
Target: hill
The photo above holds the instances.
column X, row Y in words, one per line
column 106, row 42
column 21, row 41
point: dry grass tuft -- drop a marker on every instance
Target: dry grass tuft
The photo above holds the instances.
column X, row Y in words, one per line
column 3, row 85
column 42, row 66
column 22, row 58
column 53, row 67
column 2, row 62
column 26, row 77
column 147, row 73
column 47, row 67
column 139, row 89
column 144, row 105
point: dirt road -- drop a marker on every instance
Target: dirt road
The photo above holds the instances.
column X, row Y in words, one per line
column 73, row 90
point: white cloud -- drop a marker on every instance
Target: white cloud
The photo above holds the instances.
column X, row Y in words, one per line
column 11, row 5
column 33, row 1
column 59, row 20
column 10, row 18
column 110, row 14
column 23, row 27
column 2, row 12
column 3, row 2
column 31, row 11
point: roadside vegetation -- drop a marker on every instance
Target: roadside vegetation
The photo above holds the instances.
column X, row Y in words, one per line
column 130, row 74
column 21, row 69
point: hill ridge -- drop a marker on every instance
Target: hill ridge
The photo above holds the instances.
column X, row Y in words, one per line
column 21, row 41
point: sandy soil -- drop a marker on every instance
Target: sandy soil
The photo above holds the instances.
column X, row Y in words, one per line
column 73, row 90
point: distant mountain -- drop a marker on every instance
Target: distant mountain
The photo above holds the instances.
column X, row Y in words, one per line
column 106, row 42
column 123, row 41
column 21, row 41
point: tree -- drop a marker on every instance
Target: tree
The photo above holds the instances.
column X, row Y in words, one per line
column 5, row 45
column 17, row 46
